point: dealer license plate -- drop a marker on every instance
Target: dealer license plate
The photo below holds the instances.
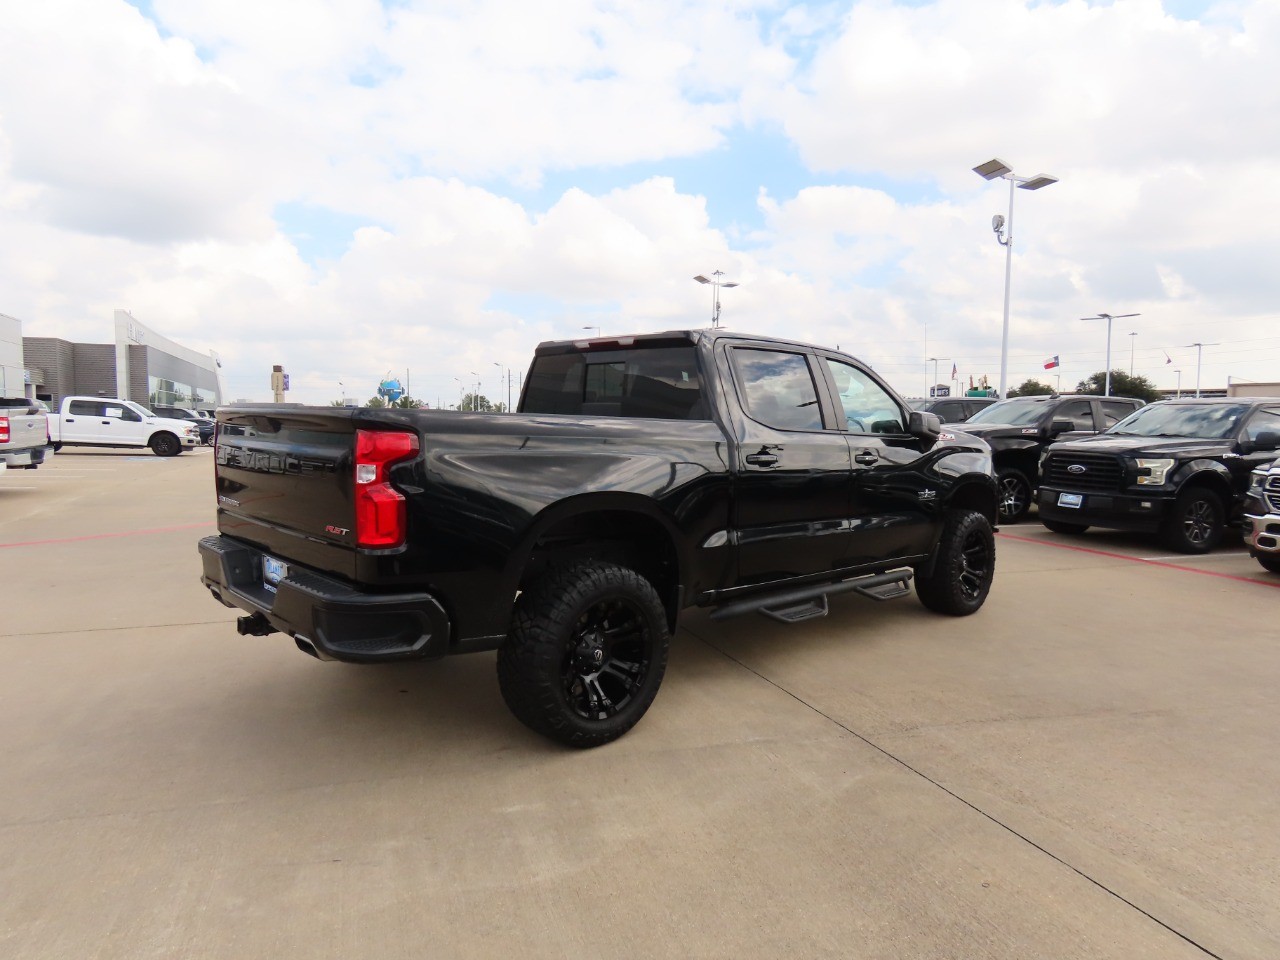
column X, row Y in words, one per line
column 273, row 571
column 1074, row 500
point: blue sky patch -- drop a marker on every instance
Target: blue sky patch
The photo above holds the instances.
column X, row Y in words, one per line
column 317, row 232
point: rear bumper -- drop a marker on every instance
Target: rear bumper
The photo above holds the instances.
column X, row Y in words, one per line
column 26, row 457
column 326, row 616
column 1115, row 511
column 1263, row 535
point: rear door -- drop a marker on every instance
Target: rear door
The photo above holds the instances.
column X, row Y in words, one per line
column 83, row 422
column 790, row 511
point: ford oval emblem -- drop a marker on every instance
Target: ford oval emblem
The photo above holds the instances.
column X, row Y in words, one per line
column 1077, row 468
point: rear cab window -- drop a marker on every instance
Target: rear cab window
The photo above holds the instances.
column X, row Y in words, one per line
column 643, row 382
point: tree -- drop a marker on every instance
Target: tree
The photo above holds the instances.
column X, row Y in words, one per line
column 1122, row 385
column 407, row 403
column 476, row 403
column 375, row 402
column 1031, row 388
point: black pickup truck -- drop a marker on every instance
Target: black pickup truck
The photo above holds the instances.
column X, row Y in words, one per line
column 1019, row 429
column 1179, row 468
column 642, row 475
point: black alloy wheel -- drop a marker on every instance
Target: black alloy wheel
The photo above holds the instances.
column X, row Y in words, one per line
column 1015, row 494
column 165, row 445
column 960, row 577
column 586, row 654
column 1196, row 523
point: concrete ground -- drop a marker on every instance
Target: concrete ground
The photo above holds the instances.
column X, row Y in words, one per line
column 1086, row 768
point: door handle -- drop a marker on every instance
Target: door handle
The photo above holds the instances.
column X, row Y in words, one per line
column 70, row 419
column 761, row 459
column 866, row 459
column 106, row 423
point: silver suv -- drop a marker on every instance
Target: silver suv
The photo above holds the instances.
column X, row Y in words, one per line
column 1262, row 516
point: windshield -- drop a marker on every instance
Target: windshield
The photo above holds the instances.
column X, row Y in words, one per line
column 1016, row 413
column 1202, row 421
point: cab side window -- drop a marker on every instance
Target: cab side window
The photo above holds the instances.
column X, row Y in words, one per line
column 868, row 408
column 1113, row 412
column 778, row 389
column 1079, row 412
column 85, row 408
column 1266, row 420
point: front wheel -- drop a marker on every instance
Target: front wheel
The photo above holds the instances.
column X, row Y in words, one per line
column 960, row 578
column 586, row 654
column 1015, row 494
column 1061, row 526
column 165, row 445
column 1196, row 523
column 1269, row 563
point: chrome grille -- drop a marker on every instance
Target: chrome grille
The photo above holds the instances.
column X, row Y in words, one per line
column 1101, row 471
column 1271, row 493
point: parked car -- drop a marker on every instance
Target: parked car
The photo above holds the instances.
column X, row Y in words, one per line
column 204, row 424
column 1020, row 428
column 24, row 433
column 112, row 422
column 642, row 475
column 952, row 409
column 1179, row 468
column 1262, row 516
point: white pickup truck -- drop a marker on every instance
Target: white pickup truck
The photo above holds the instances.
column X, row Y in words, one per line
column 24, row 434
column 111, row 422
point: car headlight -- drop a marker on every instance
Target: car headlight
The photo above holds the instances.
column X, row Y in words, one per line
column 1256, row 480
column 1157, row 470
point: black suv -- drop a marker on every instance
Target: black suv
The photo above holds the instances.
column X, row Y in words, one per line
column 952, row 409
column 1179, row 468
column 203, row 424
column 1019, row 429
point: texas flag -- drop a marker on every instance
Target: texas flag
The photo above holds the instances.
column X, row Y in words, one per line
column 953, row 371
column 1051, row 363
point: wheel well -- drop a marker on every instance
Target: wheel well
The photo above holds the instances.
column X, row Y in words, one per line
column 1216, row 485
column 616, row 536
column 975, row 496
column 1024, row 461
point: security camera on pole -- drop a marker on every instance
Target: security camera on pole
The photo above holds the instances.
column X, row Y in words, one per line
column 998, row 169
column 716, row 284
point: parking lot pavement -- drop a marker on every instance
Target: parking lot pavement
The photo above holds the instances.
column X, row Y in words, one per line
column 1086, row 768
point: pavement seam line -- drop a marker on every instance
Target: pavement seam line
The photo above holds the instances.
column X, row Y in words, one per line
column 951, row 793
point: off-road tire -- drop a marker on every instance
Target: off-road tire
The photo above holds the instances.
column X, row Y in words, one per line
column 586, row 653
column 1061, row 526
column 1015, row 494
column 165, row 445
column 960, row 577
column 1196, row 522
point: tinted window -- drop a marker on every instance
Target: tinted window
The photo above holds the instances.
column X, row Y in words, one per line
column 868, row 408
column 85, row 408
column 1264, row 421
column 778, row 389
column 949, row 411
column 1079, row 412
column 1113, row 411
column 1018, row 412
column 648, row 383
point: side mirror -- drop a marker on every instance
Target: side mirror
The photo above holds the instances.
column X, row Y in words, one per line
column 1267, row 440
column 1061, row 425
column 924, row 425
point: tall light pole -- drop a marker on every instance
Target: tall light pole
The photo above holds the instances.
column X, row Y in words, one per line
column 596, row 329
column 459, row 379
column 998, row 169
column 934, row 386
column 1131, row 343
column 716, row 284
column 1199, row 347
column 1179, row 373
column 500, row 376
column 1108, row 317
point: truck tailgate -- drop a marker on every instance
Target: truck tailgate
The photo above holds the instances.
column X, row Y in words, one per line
column 285, row 483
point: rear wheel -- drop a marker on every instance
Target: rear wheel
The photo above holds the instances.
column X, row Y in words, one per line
column 165, row 445
column 586, row 654
column 964, row 567
column 1061, row 526
column 1196, row 523
column 1015, row 494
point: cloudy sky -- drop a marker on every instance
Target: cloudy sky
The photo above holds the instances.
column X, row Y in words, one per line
column 352, row 187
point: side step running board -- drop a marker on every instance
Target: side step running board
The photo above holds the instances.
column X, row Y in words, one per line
column 808, row 603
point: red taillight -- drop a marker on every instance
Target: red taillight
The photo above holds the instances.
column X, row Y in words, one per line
column 4, row 429
column 380, row 512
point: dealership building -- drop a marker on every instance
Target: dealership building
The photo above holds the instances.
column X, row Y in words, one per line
column 141, row 365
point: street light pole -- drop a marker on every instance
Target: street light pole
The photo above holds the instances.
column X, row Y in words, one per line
column 1106, row 392
column 1179, row 373
column 1131, row 343
column 716, row 284
column 998, row 169
column 1199, row 347
column 934, row 386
